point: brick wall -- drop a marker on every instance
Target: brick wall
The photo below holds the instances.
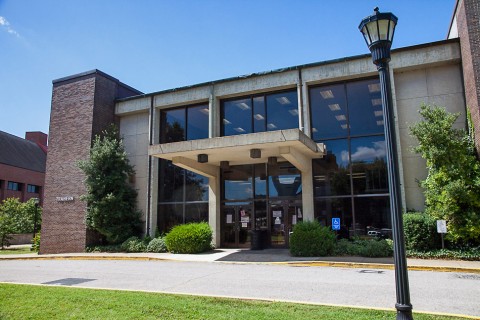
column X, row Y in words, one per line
column 468, row 24
column 24, row 177
column 82, row 106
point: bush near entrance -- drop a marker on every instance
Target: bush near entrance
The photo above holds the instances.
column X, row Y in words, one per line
column 420, row 231
column 311, row 239
column 189, row 238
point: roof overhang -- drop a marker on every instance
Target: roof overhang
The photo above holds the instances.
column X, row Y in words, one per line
column 286, row 145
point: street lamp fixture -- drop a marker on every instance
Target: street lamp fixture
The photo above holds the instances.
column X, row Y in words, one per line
column 378, row 30
column 36, row 201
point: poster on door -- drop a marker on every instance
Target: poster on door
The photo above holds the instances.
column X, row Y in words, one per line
column 277, row 213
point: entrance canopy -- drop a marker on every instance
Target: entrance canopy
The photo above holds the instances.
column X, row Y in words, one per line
column 204, row 156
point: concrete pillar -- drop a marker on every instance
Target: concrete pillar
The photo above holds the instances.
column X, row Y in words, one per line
column 214, row 206
column 307, row 194
column 154, row 167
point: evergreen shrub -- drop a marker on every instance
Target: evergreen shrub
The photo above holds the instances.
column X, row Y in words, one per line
column 133, row 244
column 420, row 231
column 189, row 238
column 157, row 245
column 311, row 239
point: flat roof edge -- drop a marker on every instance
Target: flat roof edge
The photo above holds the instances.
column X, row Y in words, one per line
column 297, row 67
column 93, row 72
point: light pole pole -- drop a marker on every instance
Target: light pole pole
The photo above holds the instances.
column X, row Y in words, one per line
column 378, row 30
column 36, row 201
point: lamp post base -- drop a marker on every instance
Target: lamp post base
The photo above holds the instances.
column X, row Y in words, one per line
column 404, row 311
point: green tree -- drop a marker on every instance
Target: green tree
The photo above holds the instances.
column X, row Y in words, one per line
column 16, row 217
column 452, row 187
column 110, row 198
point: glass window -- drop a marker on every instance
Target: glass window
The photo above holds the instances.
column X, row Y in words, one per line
column 373, row 214
column 237, row 117
column 284, row 180
column 282, row 111
column 196, row 187
column 329, row 112
column 331, row 174
column 171, row 181
column 196, row 212
column 14, row 186
column 369, row 169
column 365, row 107
column 326, row 209
column 173, row 125
column 260, row 181
column 33, row 188
column 276, row 111
column 238, row 183
column 197, row 122
column 259, row 115
column 169, row 215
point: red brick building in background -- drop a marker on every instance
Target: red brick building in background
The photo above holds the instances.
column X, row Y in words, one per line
column 22, row 166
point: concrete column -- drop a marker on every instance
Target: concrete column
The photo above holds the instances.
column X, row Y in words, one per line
column 306, row 111
column 307, row 194
column 214, row 207
column 154, row 163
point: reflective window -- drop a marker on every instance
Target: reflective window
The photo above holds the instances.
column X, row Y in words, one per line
column 373, row 214
column 365, row 107
column 33, row 188
column 187, row 123
column 196, row 212
column 197, row 122
column 169, row 215
column 260, row 181
column 260, row 113
column 14, row 186
column 170, row 182
column 173, row 129
column 369, row 169
column 326, row 209
column 196, row 187
column 282, row 111
column 237, row 117
column 284, row 180
column 331, row 174
column 329, row 112
column 238, row 183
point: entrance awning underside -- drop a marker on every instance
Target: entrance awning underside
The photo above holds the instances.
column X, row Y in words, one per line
column 290, row 145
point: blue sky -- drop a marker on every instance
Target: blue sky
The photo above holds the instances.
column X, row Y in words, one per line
column 154, row 45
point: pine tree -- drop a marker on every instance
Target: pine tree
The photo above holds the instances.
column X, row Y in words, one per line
column 110, row 199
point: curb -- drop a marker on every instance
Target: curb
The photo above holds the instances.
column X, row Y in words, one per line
column 358, row 265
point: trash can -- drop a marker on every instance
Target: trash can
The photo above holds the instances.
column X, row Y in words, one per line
column 256, row 241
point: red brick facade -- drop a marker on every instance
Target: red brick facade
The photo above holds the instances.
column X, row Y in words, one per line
column 82, row 106
column 468, row 24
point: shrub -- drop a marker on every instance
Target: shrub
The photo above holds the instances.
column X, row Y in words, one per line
column 420, row 231
column 472, row 254
column 106, row 248
column 310, row 239
column 157, row 245
column 189, row 238
column 36, row 243
column 133, row 244
column 373, row 248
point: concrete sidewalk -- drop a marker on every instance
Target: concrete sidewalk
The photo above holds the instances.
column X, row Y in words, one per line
column 266, row 256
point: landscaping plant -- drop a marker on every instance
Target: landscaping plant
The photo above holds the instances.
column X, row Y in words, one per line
column 189, row 238
column 311, row 239
column 110, row 198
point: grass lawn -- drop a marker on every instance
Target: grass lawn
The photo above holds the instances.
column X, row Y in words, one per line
column 42, row 302
column 17, row 250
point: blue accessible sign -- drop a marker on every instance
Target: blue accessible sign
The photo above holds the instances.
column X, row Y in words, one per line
column 335, row 223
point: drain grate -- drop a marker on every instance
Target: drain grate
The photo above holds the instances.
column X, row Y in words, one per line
column 468, row 276
column 372, row 271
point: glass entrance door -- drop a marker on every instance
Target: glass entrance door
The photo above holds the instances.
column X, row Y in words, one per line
column 236, row 225
column 283, row 216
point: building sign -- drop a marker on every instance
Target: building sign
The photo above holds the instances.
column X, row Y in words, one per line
column 441, row 226
column 64, row 199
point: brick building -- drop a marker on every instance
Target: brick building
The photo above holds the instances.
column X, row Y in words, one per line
column 262, row 151
column 22, row 165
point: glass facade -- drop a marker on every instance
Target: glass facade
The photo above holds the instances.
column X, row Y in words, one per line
column 260, row 113
column 183, row 195
column 351, row 181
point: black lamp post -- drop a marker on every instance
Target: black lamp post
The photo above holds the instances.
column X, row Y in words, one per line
column 36, row 201
column 378, row 30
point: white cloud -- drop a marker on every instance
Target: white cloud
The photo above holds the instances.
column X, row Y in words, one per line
column 368, row 153
column 6, row 26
